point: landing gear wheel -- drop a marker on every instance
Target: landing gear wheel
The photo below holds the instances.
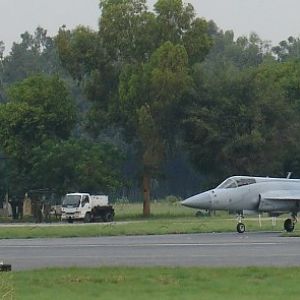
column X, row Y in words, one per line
column 289, row 225
column 240, row 227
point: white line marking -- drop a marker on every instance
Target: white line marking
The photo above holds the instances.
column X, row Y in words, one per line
column 146, row 245
column 134, row 257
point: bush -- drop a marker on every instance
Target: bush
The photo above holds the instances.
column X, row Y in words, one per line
column 173, row 200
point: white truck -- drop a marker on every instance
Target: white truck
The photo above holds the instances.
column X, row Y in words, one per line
column 86, row 207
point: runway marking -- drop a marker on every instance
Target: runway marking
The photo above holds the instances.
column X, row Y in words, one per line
column 234, row 244
column 35, row 258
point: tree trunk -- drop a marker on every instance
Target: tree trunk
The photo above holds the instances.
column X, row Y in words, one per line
column 146, row 193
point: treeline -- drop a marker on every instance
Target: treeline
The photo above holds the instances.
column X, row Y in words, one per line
column 151, row 95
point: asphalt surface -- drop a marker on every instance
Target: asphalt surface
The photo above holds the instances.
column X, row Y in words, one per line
column 213, row 249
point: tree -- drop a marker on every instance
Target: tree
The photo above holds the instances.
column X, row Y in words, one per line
column 76, row 165
column 174, row 19
column 88, row 52
column 289, row 49
column 35, row 54
column 149, row 96
column 141, row 73
column 39, row 110
column 83, row 55
column 246, row 121
column 177, row 23
column 2, row 48
column 241, row 52
column 128, row 30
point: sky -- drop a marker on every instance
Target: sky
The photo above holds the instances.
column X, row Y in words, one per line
column 272, row 20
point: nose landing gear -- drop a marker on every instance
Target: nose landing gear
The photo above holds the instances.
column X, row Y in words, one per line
column 240, row 227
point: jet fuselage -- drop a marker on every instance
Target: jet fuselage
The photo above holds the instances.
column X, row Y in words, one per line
column 242, row 193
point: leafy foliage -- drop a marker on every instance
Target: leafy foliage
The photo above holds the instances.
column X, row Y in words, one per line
column 36, row 53
column 76, row 165
column 245, row 121
column 39, row 109
column 36, row 125
column 128, row 30
column 288, row 49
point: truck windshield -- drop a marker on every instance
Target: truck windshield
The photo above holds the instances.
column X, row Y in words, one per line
column 71, row 200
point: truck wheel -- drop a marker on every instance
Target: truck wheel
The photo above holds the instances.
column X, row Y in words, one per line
column 88, row 218
column 108, row 217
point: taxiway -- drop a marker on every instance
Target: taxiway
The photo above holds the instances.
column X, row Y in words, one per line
column 210, row 249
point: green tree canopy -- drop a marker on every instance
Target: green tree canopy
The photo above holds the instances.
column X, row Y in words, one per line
column 128, row 30
column 289, row 49
column 39, row 110
column 76, row 165
column 247, row 121
column 36, row 53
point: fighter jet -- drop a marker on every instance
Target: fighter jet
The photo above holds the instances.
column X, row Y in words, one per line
column 244, row 194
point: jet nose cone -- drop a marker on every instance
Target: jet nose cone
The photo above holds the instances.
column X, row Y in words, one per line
column 202, row 201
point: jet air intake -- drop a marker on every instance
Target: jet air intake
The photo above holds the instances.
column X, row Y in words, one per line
column 269, row 205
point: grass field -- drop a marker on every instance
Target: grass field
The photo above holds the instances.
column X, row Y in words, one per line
column 166, row 219
column 152, row 283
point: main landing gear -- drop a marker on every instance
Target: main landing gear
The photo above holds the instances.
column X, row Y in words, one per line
column 240, row 227
column 289, row 224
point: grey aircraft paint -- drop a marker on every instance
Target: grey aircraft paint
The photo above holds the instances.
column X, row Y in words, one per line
column 252, row 194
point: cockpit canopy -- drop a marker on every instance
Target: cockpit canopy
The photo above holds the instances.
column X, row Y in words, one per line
column 234, row 182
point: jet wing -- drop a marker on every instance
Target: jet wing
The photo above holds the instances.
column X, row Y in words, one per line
column 277, row 195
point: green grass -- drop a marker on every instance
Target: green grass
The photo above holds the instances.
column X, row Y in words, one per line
column 159, row 210
column 152, row 283
column 145, row 227
column 166, row 219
